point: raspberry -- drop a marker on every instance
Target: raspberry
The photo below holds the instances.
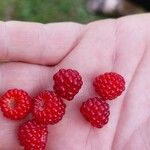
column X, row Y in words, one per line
column 67, row 83
column 48, row 108
column 95, row 111
column 32, row 136
column 109, row 85
column 16, row 104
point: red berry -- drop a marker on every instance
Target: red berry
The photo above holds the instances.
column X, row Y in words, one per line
column 16, row 104
column 95, row 111
column 33, row 136
column 109, row 85
column 48, row 108
column 67, row 83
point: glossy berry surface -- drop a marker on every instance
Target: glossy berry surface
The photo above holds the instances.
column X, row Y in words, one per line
column 48, row 108
column 67, row 83
column 109, row 85
column 95, row 111
column 16, row 104
column 32, row 136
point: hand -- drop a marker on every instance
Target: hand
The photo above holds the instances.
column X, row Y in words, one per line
column 34, row 52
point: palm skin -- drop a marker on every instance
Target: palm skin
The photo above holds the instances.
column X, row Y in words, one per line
column 35, row 52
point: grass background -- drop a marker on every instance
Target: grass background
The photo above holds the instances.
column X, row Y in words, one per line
column 46, row 11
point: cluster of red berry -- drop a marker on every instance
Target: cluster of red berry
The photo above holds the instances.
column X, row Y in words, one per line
column 48, row 107
column 108, row 86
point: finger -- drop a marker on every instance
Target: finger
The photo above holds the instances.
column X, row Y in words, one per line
column 135, row 108
column 37, row 43
column 32, row 78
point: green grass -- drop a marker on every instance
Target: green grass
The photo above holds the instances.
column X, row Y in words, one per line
column 46, row 11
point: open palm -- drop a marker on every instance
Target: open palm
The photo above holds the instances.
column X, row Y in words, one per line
column 34, row 52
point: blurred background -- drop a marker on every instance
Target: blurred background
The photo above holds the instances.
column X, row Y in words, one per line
column 82, row 11
column 46, row 10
